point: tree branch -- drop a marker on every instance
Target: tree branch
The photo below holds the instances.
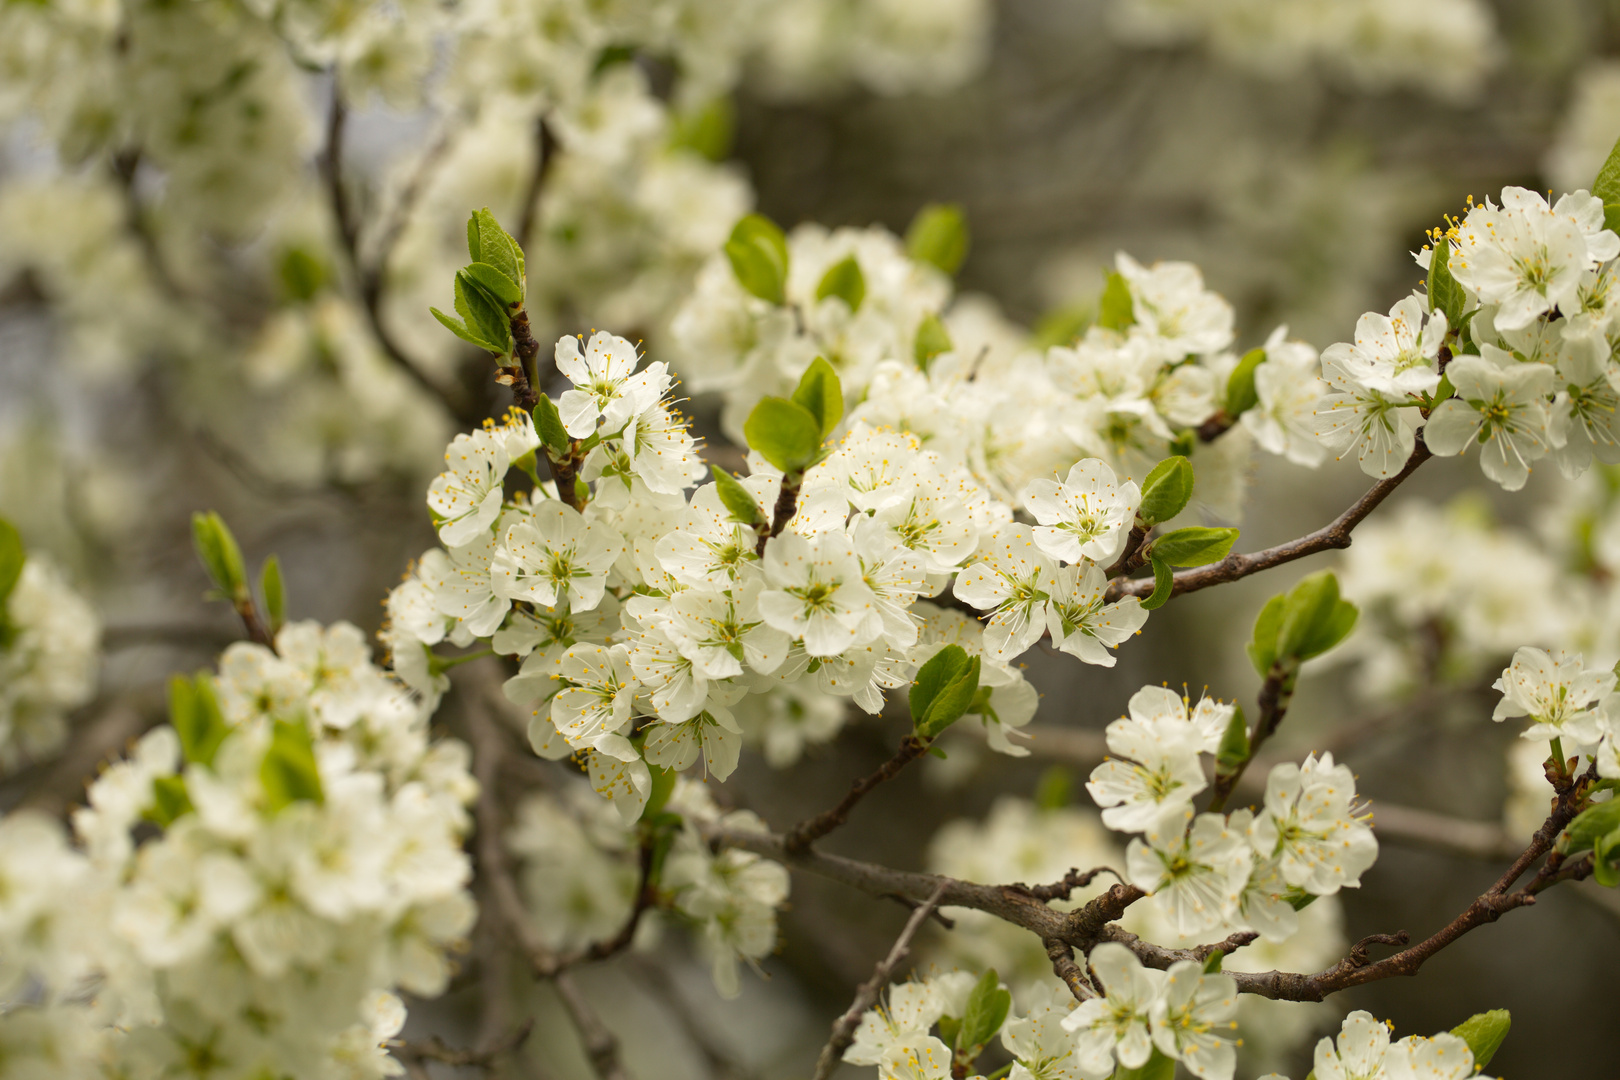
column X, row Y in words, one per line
column 601, row 1047
column 866, row 995
column 807, row 832
column 1333, row 536
column 434, row 1049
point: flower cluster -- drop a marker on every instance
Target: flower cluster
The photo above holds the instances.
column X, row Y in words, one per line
column 1215, row 872
column 263, row 875
column 49, row 652
column 1445, row 47
column 1365, row 1051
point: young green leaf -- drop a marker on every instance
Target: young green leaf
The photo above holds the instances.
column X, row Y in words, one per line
column 288, row 773
column 12, row 557
column 1605, row 849
column 932, row 339
column 737, row 499
column 1157, row 1067
column 932, row 677
column 274, row 592
column 1195, row 545
column 495, row 246
column 1240, row 392
column 1116, row 310
column 1055, row 789
column 706, row 130
column 1484, row 1033
column 938, row 235
column 759, row 257
column 220, row 556
column 483, row 313
column 952, row 702
column 1063, row 325
column 1164, row 580
column 548, row 424
column 985, row 1013
column 1234, row 746
column 844, row 280
column 1314, row 619
column 821, row 394
column 1607, row 184
column 1262, row 648
column 1212, row 966
column 784, row 432
column 195, row 714
column 1444, row 292
column 1591, row 824
column 459, row 328
column 495, row 283
column 1166, row 490
column 169, row 801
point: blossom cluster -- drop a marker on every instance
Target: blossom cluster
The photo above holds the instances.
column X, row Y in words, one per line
column 252, row 884
column 49, row 651
column 1444, row 47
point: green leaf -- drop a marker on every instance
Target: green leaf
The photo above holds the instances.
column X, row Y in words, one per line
column 784, row 432
column 1262, row 648
column 1240, row 392
column 1607, row 184
column 950, row 1030
column 938, row 235
column 274, row 591
column 663, row 784
column 1195, row 545
column 1116, row 310
column 488, row 243
column 1212, row 966
column 1164, row 580
column 986, row 1011
column 495, row 283
column 1157, row 1067
column 952, row 702
column 1611, row 216
column 1062, row 325
column 706, row 130
column 1444, row 293
column 941, row 669
column 1314, row 619
column 1234, row 747
column 483, row 313
column 1166, row 490
column 737, row 499
column 1590, row 825
column 169, row 801
column 195, row 714
column 459, row 328
column 1484, row 1032
column 759, row 257
column 1055, row 789
column 302, row 275
column 932, row 339
column 845, row 281
column 220, row 556
column 821, row 395
column 288, row 773
column 12, row 557
column 548, row 424
column 1604, row 851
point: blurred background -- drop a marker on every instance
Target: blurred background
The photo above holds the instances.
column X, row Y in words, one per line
column 182, row 330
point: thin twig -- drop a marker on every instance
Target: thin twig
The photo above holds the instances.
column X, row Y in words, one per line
column 1061, row 953
column 434, row 1049
column 807, row 832
column 601, row 1047
column 843, row 1029
column 1333, row 536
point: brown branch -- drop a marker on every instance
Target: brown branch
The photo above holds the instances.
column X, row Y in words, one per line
column 787, row 504
column 601, row 1047
column 1333, row 536
column 1060, row 890
column 369, row 284
column 866, row 995
column 1216, row 426
column 434, row 1049
column 807, row 832
column 1061, row 953
column 1275, row 695
column 1131, row 556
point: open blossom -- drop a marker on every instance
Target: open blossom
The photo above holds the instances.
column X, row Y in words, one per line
column 594, row 702
column 1440, row 1057
column 713, row 732
column 1080, row 620
column 1557, row 693
column 1087, row 516
column 1359, row 1053
column 1357, row 419
column 1118, row 1025
column 467, row 498
column 554, row 557
column 606, row 386
column 1192, row 1020
column 1395, row 355
column 1500, row 403
column 1174, row 309
column 907, row 1011
column 1161, row 769
column 1042, row 1048
column 1196, row 875
column 1288, row 392
column 1310, row 824
column 817, row 593
column 1012, row 578
column 1529, row 257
